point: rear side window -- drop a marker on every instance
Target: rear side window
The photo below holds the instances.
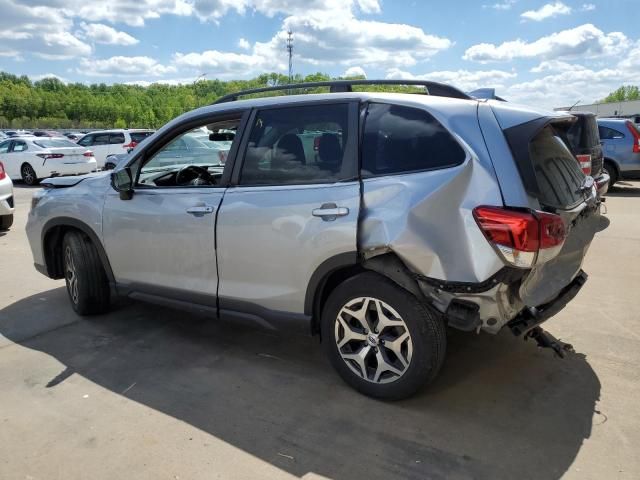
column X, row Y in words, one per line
column 4, row 146
column 116, row 138
column 101, row 139
column 137, row 137
column 401, row 139
column 557, row 172
column 607, row 133
column 19, row 146
column 299, row 145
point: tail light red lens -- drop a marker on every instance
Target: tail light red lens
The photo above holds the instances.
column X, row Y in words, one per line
column 47, row 156
column 130, row 145
column 88, row 153
column 518, row 235
column 316, row 143
column 3, row 174
column 585, row 163
column 636, row 136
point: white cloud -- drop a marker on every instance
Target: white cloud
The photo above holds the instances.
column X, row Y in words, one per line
column 463, row 79
column 587, row 7
column 355, row 72
column 225, row 64
column 38, row 30
column 504, row 5
column 244, row 44
column 583, row 41
column 552, row 66
column 106, row 35
column 549, row 10
column 124, row 66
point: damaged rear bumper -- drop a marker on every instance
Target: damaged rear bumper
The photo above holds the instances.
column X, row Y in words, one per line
column 532, row 317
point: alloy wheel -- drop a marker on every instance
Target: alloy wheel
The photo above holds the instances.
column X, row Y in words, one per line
column 28, row 175
column 373, row 340
column 71, row 275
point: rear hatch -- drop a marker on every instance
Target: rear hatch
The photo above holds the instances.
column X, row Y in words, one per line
column 556, row 185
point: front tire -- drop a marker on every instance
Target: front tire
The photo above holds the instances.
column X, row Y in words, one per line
column 5, row 222
column 380, row 338
column 86, row 281
column 28, row 174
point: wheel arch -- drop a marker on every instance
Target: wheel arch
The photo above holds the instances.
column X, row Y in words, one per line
column 611, row 161
column 337, row 269
column 52, row 235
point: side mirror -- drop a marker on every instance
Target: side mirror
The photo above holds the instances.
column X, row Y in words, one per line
column 122, row 182
column 222, row 137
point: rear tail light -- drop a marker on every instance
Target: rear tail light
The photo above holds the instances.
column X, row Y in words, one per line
column 88, row 153
column 522, row 238
column 636, row 137
column 47, row 156
column 222, row 156
column 316, row 143
column 130, row 145
column 3, row 174
column 585, row 163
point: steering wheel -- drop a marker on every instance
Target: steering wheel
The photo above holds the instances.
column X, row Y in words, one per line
column 194, row 175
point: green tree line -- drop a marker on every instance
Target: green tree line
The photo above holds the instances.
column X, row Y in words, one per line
column 50, row 103
column 622, row 94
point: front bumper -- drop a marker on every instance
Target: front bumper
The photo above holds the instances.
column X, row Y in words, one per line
column 530, row 318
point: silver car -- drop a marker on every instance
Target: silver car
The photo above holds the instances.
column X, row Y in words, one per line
column 375, row 220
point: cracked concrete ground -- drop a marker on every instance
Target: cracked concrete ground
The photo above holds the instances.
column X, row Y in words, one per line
column 146, row 392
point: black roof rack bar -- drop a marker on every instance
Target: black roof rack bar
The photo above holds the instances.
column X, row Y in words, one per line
column 335, row 86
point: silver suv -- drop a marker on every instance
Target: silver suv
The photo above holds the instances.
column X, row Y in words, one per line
column 375, row 219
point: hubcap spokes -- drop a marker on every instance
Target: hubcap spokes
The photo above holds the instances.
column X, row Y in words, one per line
column 28, row 177
column 70, row 273
column 373, row 340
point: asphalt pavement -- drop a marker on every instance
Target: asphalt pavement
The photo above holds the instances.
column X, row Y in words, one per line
column 148, row 392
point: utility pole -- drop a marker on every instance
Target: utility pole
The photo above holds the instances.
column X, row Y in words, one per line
column 290, row 50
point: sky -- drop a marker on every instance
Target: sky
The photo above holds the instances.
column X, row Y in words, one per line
column 544, row 53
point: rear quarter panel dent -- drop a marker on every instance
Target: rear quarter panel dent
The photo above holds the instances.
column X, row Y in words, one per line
column 426, row 219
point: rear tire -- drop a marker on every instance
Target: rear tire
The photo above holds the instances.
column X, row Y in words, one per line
column 87, row 283
column 612, row 172
column 5, row 222
column 28, row 174
column 380, row 338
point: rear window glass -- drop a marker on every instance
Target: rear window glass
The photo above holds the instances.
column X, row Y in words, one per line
column 401, row 139
column 557, row 171
column 139, row 136
column 116, row 138
column 54, row 143
column 584, row 133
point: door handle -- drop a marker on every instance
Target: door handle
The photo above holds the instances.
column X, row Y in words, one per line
column 200, row 210
column 329, row 212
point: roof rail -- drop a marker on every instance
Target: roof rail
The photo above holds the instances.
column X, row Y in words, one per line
column 336, row 86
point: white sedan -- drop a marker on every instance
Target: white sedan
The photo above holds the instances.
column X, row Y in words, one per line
column 31, row 159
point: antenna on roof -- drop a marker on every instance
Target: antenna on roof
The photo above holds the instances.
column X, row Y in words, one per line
column 573, row 105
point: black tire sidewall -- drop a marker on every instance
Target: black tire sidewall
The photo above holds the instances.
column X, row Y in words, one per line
column 93, row 295
column 613, row 173
column 5, row 222
column 428, row 348
column 33, row 174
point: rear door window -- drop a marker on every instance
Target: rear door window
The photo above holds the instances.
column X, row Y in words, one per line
column 583, row 133
column 558, row 174
column 400, row 139
column 299, row 145
column 100, row 139
column 116, row 138
column 19, row 146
